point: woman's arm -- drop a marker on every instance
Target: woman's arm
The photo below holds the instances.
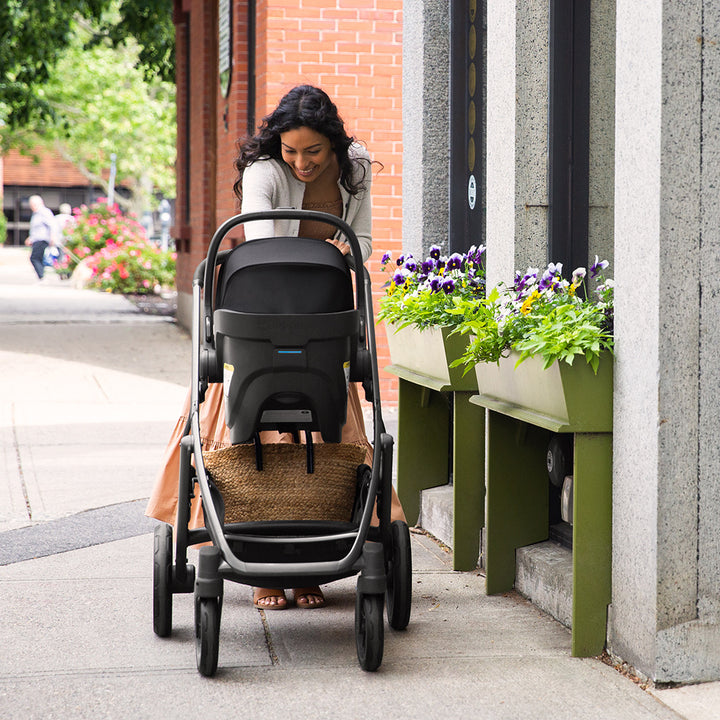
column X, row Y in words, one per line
column 258, row 195
column 359, row 213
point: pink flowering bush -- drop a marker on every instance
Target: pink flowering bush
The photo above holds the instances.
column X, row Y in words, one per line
column 115, row 250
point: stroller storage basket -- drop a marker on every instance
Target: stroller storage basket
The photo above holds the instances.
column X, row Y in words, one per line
column 283, row 489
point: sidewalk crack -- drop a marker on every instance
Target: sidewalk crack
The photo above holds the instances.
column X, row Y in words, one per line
column 21, row 473
column 268, row 638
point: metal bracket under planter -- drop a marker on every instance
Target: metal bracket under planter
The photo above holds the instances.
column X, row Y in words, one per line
column 424, row 356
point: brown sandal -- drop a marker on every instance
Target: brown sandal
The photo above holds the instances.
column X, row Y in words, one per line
column 262, row 593
column 301, row 597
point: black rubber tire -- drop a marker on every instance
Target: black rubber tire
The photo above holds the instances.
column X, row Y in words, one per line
column 207, row 634
column 369, row 631
column 398, row 595
column 162, row 580
column 559, row 458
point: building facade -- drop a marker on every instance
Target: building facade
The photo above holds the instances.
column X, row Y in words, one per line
column 640, row 124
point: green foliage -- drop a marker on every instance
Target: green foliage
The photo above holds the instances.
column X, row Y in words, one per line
column 35, row 33
column 433, row 292
column 3, row 226
column 542, row 315
column 116, row 251
column 565, row 331
column 108, row 107
column 150, row 23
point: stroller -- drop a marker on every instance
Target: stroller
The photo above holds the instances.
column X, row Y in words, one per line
column 278, row 322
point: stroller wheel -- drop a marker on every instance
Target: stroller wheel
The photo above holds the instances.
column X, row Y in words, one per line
column 399, row 577
column 369, row 633
column 207, row 634
column 162, row 581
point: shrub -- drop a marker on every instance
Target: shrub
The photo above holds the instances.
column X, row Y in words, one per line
column 116, row 251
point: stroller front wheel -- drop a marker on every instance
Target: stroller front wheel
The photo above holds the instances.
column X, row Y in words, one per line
column 369, row 632
column 207, row 634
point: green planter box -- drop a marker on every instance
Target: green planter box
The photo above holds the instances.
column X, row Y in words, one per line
column 563, row 398
column 424, row 357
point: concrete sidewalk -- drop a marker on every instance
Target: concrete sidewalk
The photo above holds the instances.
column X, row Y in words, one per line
column 90, row 390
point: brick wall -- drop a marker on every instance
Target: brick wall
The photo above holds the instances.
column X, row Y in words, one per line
column 350, row 48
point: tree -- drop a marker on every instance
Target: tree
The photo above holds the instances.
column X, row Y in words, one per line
column 96, row 96
column 34, row 34
column 108, row 107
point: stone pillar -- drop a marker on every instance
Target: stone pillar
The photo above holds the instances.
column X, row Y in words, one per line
column 501, row 93
column 426, row 138
column 532, row 25
column 665, row 610
column 517, row 135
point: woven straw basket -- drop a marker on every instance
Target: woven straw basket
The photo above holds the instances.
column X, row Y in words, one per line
column 283, row 489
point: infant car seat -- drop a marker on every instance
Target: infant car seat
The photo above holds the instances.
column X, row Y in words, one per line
column 286, row 334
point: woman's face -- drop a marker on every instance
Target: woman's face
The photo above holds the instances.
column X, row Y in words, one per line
column 307, row 152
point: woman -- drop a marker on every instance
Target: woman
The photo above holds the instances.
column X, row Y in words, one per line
column 303, row 158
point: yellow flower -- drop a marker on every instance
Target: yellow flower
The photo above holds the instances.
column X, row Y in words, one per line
column 527, row 305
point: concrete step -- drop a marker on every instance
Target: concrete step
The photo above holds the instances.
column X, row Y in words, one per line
column 543, row 572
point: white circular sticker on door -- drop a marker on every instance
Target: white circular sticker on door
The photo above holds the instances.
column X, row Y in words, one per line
column 472, row 192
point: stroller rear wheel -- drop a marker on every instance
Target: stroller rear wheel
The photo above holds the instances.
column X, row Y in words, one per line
column 399, row 577
column 207, row 634
column 369, row 632
column 162, row 580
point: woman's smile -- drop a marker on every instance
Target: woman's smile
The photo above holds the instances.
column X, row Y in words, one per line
column 307, row 152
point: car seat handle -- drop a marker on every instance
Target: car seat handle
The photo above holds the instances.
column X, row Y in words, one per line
column 283, row 214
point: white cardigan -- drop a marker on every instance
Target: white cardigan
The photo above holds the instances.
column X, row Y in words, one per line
column 269, row 184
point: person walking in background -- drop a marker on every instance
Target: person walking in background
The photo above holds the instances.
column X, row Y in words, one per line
column 64, row 220
column 42, row 233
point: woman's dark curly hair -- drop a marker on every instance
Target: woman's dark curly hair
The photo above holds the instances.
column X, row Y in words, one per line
column 303, row 106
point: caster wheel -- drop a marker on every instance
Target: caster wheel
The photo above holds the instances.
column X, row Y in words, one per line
column 162, row 580
column 369, row 632
column 207, row 634
column 559, row 458
column 399, row 577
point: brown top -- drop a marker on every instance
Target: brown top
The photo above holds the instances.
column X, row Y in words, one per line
column 320, row 230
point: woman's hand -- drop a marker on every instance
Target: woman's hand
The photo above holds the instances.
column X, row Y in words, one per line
column 341, row 245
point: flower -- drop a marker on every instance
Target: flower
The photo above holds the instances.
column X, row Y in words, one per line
column 543, row 317
column 116, row 251
column 597, row 266
column 427, row 292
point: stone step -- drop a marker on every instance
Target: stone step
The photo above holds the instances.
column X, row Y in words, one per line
column 543, row 571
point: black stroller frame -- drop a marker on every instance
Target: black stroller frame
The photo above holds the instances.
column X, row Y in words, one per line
column 282, row 553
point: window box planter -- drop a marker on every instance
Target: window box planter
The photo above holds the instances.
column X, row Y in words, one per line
column 425, row 355
column 563, row 398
